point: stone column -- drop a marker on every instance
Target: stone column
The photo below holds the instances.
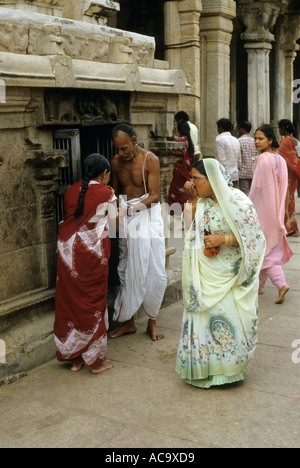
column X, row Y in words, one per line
column 287, row 34
column 258, row 82
column 46, row 173
column 260, row 18
column 183, row 48
column 216, row 28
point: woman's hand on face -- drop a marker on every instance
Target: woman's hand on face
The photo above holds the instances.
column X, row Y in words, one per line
column 214, row 240
column 190, row 190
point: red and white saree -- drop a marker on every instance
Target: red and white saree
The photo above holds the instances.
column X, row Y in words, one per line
column 288, row 151
column 81, row 319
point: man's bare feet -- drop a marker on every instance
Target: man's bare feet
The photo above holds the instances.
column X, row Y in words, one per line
column 76, row 367
column 282, row 293
column 106, row 365
column 128, row 328
column 153, row 331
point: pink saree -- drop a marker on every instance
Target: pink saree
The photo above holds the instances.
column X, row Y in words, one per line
column 268, row 194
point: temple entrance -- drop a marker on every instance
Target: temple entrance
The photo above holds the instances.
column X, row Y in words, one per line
column 80, row 142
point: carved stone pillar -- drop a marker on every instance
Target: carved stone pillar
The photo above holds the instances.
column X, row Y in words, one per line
column 287, row 32
column 260, row 18
column 46, row 166
column 216, row 28
column 258, row 83
column 183, row 48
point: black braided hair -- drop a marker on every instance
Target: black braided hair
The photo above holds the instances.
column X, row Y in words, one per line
column 269, row 132
column 94, row 165
column 184, row 130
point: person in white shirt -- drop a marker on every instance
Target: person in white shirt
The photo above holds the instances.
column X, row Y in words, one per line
column 228, row 150
column 183, row 117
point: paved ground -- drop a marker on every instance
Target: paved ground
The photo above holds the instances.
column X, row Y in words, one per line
column 142, row 403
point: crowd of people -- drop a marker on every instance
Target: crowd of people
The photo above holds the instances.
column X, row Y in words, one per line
column 237, row 209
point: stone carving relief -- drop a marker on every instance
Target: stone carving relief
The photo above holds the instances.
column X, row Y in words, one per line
column 14, row 38
column 122, row 51
column 66, row 38
column 86, row 108
column 41, row 5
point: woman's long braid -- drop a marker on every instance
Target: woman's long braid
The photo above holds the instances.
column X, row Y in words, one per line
column 94, row 165
column 84, row 188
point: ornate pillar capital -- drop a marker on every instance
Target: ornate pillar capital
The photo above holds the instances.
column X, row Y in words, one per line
column 290, row 33
column 259, row 18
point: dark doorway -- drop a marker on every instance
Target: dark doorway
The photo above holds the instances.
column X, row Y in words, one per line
column 97, row 139
column 144, row 17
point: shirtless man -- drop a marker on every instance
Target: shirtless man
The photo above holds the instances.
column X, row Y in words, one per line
column 136, row 179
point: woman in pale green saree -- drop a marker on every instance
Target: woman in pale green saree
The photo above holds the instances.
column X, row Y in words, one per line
column 223, row 254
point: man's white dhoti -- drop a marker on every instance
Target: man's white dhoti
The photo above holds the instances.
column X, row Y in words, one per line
column 141, row 268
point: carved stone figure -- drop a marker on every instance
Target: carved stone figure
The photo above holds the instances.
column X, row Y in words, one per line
column 122, row 51
column 6, row 34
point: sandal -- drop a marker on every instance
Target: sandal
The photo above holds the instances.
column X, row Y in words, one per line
column 282, row 293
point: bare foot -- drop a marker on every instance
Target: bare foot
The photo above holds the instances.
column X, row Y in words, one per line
column 282, row 293
column 153, row 331
column 127, row 328
column 76, row 367
column 106, row 365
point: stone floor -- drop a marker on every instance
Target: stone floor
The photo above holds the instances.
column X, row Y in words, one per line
column 142, row 403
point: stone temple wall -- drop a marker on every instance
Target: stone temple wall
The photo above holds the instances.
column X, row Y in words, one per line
column 63, row 68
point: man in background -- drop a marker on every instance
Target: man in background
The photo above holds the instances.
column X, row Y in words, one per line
column 249, row 152
column 228, row 150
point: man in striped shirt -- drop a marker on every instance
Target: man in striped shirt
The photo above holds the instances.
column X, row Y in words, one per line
column 249, row 152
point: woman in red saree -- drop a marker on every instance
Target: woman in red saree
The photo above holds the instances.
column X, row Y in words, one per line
column 182, row 170
column 81, row 318
column 288, row 150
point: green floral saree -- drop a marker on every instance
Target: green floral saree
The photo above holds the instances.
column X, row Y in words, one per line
column 220, row 320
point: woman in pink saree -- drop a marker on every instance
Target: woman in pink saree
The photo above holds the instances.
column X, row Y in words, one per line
column 269, row 194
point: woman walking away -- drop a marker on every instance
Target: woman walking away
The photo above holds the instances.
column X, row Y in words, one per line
column 289, row 151
column 269, row 196
column 182, row 169
column 223, row 252
column 81, row 319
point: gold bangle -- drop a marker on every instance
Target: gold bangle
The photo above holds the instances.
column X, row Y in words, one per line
column 229, row 240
